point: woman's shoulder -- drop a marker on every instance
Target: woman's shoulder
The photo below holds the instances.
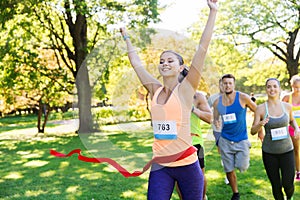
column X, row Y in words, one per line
column 186, row 89
column 261, row 110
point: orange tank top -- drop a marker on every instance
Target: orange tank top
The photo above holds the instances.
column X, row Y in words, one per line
column 171, row 128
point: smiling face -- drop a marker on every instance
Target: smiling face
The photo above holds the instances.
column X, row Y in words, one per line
column 273, row 88
column 169, row 64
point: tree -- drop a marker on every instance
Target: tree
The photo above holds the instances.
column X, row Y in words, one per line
column 74, row 28
column 256, row 80
column 30, row 78
column 272, row 25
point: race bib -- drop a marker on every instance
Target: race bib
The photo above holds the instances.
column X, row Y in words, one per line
column 164, row 130
column 229, row 118
column 296, row 114
column 279, row 133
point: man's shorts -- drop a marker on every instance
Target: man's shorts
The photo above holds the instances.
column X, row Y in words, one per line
column 235, row 154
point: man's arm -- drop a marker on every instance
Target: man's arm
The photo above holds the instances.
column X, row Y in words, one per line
column 202, row 109
column 216, row 115
column 246, row 101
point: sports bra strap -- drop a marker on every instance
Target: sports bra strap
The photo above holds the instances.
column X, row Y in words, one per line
column 267, row 110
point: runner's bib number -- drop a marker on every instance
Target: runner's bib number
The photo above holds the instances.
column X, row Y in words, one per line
column 229, row 118
column 165, row 130
column 279, row 133
column 296, row 113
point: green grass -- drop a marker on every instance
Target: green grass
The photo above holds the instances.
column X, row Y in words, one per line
column 28, row 171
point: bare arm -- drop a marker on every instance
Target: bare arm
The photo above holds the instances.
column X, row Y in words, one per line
column 293, row 122
column 149, row 82
column 202, row 109
column 216, row 114
column 259, row 120
column 198, row 61
column 247, row 102
column 257, row 128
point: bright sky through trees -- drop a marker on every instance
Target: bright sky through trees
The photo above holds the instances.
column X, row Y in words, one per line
column 180, row 15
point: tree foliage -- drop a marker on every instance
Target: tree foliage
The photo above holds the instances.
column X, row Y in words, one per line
column 272, row 25
column 255, row 40
column 71, row 29
column 30, row 77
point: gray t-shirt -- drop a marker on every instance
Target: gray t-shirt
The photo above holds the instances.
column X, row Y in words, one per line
column 211, row 101
column 277, row 139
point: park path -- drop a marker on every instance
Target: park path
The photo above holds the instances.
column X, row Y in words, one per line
column 65, row 127
column 61, row 127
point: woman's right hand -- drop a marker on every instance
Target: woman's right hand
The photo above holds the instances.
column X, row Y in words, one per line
column 264, row 121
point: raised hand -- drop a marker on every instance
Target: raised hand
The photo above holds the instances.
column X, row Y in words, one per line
column 123, row 31
column 212, row 4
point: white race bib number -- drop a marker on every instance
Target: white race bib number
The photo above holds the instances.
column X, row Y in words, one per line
column 229, row 118
column 165, row 130
column 279, row 133
column 296, row 114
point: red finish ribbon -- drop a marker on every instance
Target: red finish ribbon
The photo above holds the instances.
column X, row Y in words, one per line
column 122, row 170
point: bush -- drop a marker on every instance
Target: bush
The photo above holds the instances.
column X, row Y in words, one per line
column 54, row 115
column 261, row 99
column 112, row 115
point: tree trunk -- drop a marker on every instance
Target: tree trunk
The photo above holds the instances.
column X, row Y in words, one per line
column 84, row 100
column 292, row 56
column 77, row 25
column 46, row 115
column 79, row 35
column 292, row 67
column 40, row 114
column 44, row 110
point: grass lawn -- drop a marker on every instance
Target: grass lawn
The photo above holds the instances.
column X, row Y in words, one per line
column 28, row 171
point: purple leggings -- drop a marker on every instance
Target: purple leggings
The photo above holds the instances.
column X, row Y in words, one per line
column 162, row 180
